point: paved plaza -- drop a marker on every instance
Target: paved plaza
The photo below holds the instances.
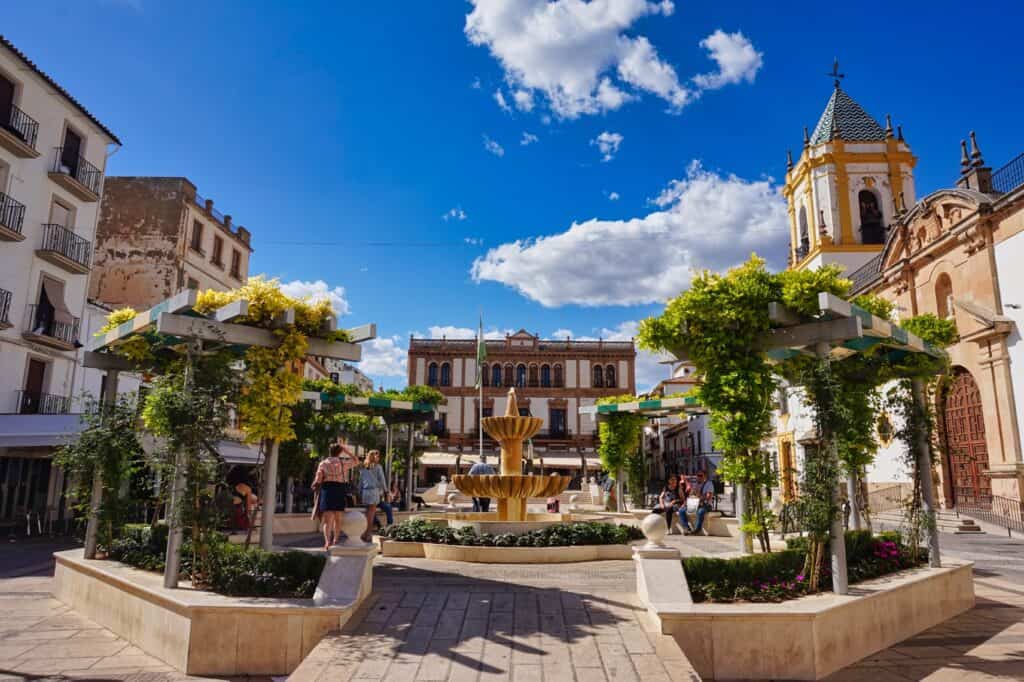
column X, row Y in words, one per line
column 432, row 620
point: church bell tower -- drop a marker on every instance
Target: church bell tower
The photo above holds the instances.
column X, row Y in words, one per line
column 852, row 180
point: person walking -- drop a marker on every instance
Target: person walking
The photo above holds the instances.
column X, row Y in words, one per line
column 372, row 489
column 482, row 468
column 332, row 492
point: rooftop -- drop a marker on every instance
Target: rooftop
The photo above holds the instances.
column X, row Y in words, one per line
column 56, row 86
column 843, row 118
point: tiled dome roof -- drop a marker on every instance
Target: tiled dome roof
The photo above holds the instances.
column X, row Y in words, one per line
column 846, row 117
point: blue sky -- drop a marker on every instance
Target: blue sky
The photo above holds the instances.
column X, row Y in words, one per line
column 341, row 134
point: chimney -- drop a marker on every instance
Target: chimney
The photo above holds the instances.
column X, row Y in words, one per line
column 243, row 235
column 974, row 174
column 209, row 205
column 227, row 221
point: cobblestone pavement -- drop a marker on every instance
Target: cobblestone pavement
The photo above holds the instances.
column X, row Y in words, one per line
column 437, row 620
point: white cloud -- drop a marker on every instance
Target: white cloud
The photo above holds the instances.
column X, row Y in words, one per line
column 613, row 196
column 473, row 241
column 608, row 144
column 476, row 85
column 528, row 139
column 317, row 290
column 493, row 147
column 499, row 97
column 384, row 357
column 454, row 214
column 585, row 58
column 736, row 57
column 705, row 220
column 452, row 332
column 524, row 100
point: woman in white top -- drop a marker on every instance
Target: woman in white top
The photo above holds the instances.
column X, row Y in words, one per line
column 373, row 488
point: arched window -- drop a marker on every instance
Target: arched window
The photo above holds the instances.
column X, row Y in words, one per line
column 871, row 230
column 496, row 375
column 805, row 237
column 545, row 376
column 521, row 376
column 944, row 296
column 609, row 376
column 484, row 376
column 534, row 382
column 446, row 374
column 559, row 380
column 598, row 376
column 432, row 374
column 510, row 378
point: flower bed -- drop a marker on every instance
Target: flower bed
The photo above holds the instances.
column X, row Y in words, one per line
column 558, row 535
column 778, row 576
column 224, row 568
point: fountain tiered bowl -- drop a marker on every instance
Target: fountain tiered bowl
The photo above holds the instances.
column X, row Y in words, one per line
column 510, row 488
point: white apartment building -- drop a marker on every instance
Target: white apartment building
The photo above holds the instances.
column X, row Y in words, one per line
column 341, row 372
column 53, row 154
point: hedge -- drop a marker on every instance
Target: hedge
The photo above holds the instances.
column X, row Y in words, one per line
column 777, row 576
column 558, row 535
column 226, row 568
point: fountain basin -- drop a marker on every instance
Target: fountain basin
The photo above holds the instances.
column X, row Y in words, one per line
column 510, row 486
column 490, row 522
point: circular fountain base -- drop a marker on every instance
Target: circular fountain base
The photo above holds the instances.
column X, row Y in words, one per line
column 490, row 523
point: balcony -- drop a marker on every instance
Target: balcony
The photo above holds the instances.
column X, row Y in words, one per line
column 42, row 403
column 72, row 172
column 5, row 309
column 42, row 326
column 65, row 249
column 12, row 218
column 18, row 134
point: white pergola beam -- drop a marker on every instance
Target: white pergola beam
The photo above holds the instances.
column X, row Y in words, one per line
column 107, row 361
column 811, row 333
column 232, row 311
column 366, row 332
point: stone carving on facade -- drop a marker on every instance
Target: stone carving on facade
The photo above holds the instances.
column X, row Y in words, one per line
column 973, row 238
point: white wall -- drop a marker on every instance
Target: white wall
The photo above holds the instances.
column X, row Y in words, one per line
column 21, row 271
column 1009, row 256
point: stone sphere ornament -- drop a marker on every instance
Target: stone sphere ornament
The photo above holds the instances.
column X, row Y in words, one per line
column 654, row 529
column 353, row 523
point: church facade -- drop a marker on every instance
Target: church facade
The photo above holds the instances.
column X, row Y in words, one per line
column 852, row 201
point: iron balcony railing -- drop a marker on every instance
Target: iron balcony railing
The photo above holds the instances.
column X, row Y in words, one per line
column 41, row 321
column 1000, row 511
column 65, row 242
column 76, row 166
column 1010, row 176
column 5, row 307
column 23, row 126
column 12, row 213
column 30, row 402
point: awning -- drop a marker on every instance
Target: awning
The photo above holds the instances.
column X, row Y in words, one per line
column 651, row 408
column 54, row 292
column 234, row 452
column 37, row 430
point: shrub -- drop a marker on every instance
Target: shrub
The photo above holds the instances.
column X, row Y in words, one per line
column 778, row 576
column 226, row 568
column 558, row 535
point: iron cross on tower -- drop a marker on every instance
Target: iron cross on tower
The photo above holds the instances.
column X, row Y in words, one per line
column 834, row 74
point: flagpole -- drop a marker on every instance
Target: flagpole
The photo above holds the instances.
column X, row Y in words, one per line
column 480, row 383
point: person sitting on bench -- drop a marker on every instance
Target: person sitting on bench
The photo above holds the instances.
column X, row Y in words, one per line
column 699, row 502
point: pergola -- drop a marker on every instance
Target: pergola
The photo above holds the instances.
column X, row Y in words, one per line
column 181, row 329
column 838, row 331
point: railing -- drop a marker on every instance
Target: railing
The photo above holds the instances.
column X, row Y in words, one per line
column 12, row 213
column 22, row 125
column 201, row 203
column 42, row 403
column 78, row 168
column 885, row 499
column 65, row 242
column 5, row 306
column 1000, row 511
column 1010, row 176
column 41, row 321
column 865, row 273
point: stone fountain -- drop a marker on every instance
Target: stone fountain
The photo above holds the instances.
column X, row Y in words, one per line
column 511, row 488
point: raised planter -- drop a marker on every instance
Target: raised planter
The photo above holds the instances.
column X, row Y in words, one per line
column 196, row 632
column 506, row 555
column 803, row 639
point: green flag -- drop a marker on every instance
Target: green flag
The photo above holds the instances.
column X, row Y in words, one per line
column 481, row 354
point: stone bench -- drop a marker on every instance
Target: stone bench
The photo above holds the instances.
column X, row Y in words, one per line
column 714, row 522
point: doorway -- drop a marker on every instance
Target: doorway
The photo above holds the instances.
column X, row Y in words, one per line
column 33, row 395
column 964, row 420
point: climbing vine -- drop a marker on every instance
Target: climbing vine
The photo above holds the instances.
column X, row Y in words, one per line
column 619, row 448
